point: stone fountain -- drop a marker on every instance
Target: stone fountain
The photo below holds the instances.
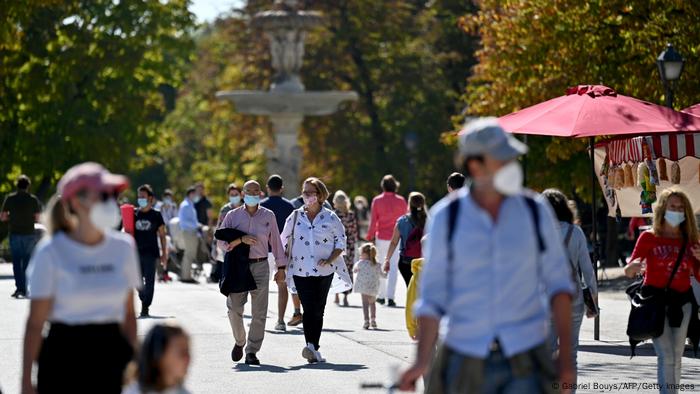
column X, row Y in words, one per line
column 287, row 102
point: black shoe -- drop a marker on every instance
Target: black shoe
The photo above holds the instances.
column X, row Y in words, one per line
column 391, row 303
column 16, row 294
column 190, row 281
column 380, row 301
column 251, row 359
column 144, row 312
column 237, row 353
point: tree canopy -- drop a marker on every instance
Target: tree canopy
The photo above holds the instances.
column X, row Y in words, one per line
column 85, row 80
column 533, row 50
column 408, row 61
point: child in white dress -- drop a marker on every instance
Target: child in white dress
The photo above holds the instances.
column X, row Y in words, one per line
column 367, row 282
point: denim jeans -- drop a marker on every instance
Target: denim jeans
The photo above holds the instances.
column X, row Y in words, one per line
column 148, row 274
column 577, row 310
column 669, row 349
column 498, row 376
column 21, row 247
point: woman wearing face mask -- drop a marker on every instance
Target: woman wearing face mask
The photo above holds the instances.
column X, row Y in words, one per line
column 234, row 201
column 674, row 231
column 168, row 208
column 315, row 238
column 81, row 281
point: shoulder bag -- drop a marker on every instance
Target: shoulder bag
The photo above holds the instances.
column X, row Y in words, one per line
column 648, row 313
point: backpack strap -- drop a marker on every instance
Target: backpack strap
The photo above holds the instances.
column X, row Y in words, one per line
column 452, row 213
column 534, row 212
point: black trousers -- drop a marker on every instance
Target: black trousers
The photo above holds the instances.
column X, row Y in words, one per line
column 405, row 268
column 313, row 292
column 83, row 359
column 148, row 273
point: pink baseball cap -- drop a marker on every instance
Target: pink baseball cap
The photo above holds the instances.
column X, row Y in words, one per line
column 90, row 176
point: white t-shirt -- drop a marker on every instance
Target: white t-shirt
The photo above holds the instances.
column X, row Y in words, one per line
column 88, row 284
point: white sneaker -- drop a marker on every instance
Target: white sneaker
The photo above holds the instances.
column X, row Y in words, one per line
column 309, row 353
column 319, row 357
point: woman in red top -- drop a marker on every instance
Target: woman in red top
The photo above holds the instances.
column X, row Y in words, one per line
column 654, row 256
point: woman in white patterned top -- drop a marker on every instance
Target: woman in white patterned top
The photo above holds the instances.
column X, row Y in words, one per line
column 317, row 239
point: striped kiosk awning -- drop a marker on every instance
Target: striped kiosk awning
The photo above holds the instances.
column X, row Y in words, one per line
column 672, row 147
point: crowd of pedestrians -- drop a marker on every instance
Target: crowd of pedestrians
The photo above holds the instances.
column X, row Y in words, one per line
column 479, row 264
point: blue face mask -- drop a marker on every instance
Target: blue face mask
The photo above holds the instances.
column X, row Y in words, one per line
column 674, row 218
column 251, row 201
column 235, row 200
column 143, row 202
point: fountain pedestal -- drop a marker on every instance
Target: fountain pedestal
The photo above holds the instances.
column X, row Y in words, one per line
column 287, row 102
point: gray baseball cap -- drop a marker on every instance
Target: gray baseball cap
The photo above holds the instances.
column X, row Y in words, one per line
column 485, row 136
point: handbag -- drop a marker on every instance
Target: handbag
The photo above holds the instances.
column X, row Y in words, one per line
column 648, row 312
column 290, row 244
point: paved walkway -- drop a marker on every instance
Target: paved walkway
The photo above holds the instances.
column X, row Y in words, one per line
column 355, row 355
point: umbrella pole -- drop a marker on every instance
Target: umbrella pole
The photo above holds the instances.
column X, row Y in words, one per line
column 594, row 232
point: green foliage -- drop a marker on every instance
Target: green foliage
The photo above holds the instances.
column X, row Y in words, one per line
column 408, row 61
column 82, row 80
column 533, row 50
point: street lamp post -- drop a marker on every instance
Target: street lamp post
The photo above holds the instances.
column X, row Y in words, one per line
column 670, row 64
column 410, row 139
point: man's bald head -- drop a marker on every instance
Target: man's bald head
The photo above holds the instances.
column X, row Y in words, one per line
column 251, row 188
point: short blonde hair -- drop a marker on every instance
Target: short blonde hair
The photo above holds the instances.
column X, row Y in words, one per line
column 340, row 199
column 688, row 227
column 321, row 188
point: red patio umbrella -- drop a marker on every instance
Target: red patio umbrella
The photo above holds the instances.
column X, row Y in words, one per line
column 596, row 110
column 693, row 110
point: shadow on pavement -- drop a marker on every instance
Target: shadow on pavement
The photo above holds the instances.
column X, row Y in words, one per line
column 155, row 317
column 257, row 368
column 288, row 332
column 336, row 330
column 645, row 350
column 331, row 367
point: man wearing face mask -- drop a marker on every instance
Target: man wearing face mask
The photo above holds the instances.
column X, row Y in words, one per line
column 493, row 254
column 148, row 227
column 190, row 236
column 260, row 225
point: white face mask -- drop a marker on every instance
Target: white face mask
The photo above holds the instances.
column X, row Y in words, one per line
column 674, row 218
column 509, row 179
column 105, row 215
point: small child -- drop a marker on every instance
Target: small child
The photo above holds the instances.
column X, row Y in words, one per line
column 163, row 362
column 367, row 282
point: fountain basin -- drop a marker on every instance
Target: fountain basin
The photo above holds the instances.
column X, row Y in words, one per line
column 307, row 103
